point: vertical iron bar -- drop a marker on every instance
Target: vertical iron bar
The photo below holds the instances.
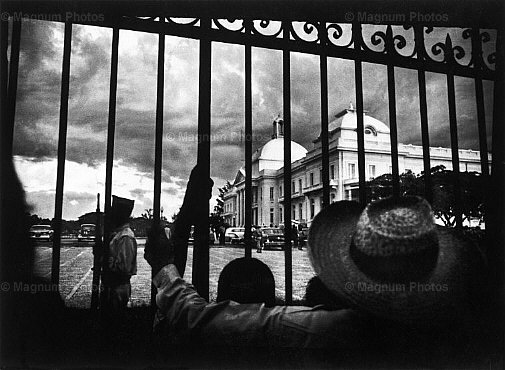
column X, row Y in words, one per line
column 479, row 97
column 62, row 147
column 97, row 248
column 393, row 132
column 201, row 246
column 4, row 40
column 5, row 155
column 158, row 146
column 454, row 149
column 358, row 76
column 423, row 110
column 496, row 209
column 325, row 152
column 12, row 86
column 111, row 128
column 248, row 148
column 286, row 96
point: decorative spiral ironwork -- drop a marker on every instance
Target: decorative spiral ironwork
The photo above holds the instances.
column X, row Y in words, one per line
column 308, row 29
column 264, row 24
column 491, row 58
column 241, row 25
column 191, row 22
column 335, row 36
column 451, row 53
column 391, row 43
column 334, row 32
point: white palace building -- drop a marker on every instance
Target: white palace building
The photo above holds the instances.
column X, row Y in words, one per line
column 306, row 184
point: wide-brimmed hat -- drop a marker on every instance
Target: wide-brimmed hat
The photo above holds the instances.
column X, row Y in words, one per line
column 392, row 260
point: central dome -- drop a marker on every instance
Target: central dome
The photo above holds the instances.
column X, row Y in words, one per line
column 274, row 150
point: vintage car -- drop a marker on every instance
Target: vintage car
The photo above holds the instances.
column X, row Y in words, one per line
column 41, row 232
column 234, row 235
column 86, row 233
column 272, row 237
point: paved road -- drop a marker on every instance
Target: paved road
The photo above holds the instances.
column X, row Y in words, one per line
column 76, row 275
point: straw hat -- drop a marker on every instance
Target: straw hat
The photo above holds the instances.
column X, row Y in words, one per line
column 391, row 260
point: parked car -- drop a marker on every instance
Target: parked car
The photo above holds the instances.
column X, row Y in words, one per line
column 86, row 233
column 234, row 235
column 272, row 237
column 41, row 232
column 212, row 237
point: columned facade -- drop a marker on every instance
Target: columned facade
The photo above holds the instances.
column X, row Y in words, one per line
column 306, row 169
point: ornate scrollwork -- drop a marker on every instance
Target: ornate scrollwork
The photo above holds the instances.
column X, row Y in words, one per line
column 451, row 53
column 184, row 21
column 235, row 25
column 308, row 29
column 491, row 58
column 335, row 33
column 378, row 39
column 389, row 40
column 391, row 43
column 266, row 24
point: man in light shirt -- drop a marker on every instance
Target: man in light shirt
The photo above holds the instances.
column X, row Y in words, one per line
column 122, row 257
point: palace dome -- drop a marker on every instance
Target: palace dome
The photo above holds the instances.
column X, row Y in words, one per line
column 348, row 119
column 274, row 151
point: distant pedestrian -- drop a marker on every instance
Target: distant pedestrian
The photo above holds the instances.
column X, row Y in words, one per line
column 122, row 257
column 294, row 235
column 222, row 231
column 257, row 239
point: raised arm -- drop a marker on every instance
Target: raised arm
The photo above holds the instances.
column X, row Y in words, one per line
column 159, row 252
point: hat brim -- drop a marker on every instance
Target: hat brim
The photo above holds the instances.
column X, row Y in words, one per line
column 443, row 292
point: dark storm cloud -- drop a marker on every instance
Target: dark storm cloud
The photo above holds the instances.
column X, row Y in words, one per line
column 37, row 114
column 39, row 94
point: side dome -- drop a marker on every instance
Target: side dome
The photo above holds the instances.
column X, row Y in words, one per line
column 274, row 151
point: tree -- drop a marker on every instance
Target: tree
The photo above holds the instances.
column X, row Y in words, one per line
column 216, row 217
column 148, row 214
column 443, row 190
column 444, row 196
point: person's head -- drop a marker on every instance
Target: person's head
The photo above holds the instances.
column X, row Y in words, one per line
column 316, row 293
column 121, row 210
column 246, row 280
column 392, row 261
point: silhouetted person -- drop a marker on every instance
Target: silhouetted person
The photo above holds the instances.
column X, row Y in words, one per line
column 246, row 280
column 122, row 257
column 404, row 281
column 32, row 311
column 316, row 293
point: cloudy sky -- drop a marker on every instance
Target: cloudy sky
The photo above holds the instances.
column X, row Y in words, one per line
column 37, row 111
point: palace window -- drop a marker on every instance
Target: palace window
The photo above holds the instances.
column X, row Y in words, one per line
column 351, row 170
column 371, row 170
column 369, row 130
